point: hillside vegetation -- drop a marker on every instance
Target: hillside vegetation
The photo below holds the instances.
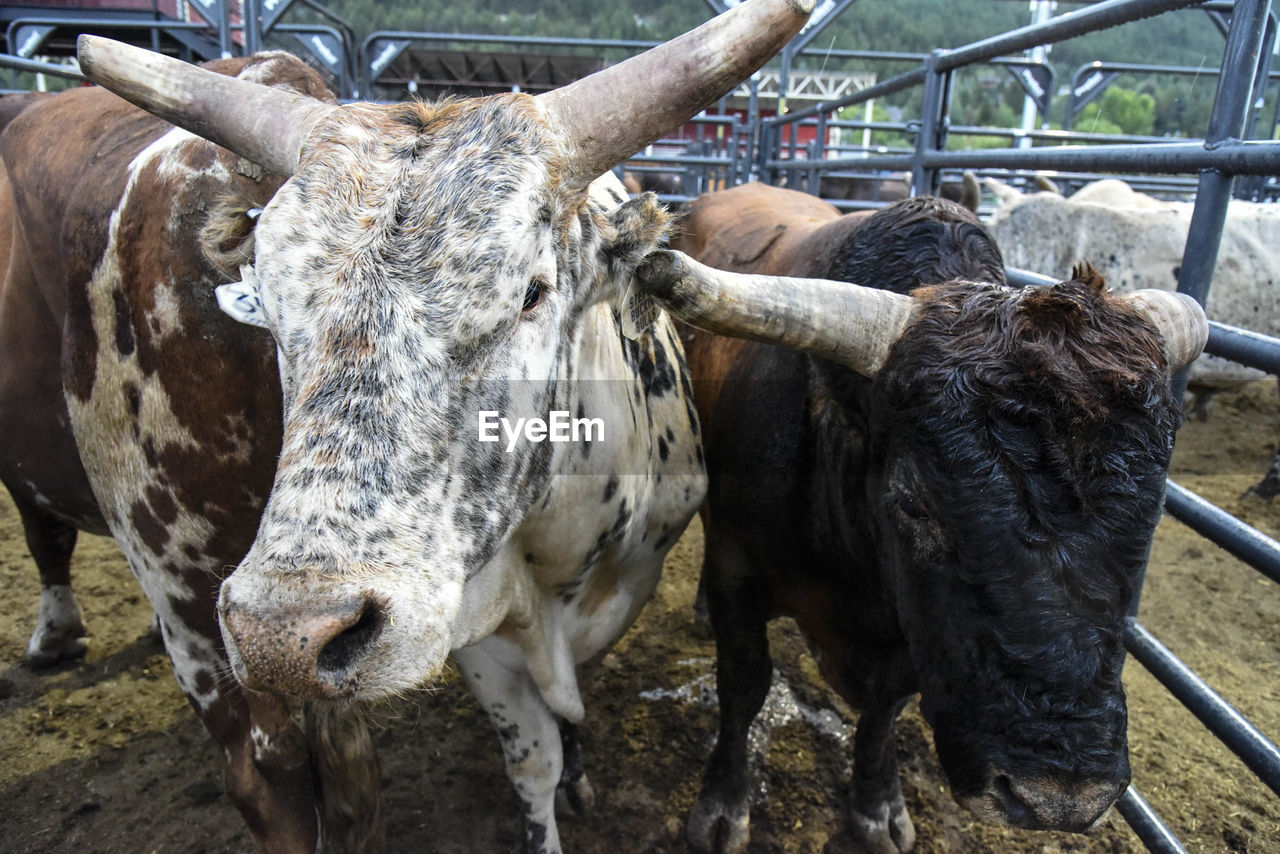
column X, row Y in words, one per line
column 1178, row 106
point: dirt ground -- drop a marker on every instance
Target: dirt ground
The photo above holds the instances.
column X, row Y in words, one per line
column 105, row 755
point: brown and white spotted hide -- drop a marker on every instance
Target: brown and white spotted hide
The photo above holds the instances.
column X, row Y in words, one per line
column 423, row 265
column 145, row 411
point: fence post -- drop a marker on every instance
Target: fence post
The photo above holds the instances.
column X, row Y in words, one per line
column 1231, row 108
column 933, row 120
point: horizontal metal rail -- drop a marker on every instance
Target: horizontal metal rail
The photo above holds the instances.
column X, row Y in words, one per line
column 1145, row 68
column 106, row 24
column 1222, row 719
column 1233, row 157
column 486, row 38
column 891, row 86
column 1248, row 348
column 1236, row 157
column 8, row 60
column 1097, row 17
column 1221, row 528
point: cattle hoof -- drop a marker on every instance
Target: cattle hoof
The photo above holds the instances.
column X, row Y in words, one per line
column 719, row 828
column 576, row 798
column 49, row 651
column 887, row 830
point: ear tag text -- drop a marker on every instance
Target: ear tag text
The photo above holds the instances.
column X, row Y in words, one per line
column 639, row 311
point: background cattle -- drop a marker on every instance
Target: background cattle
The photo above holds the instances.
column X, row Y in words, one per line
column 763, row 229
column 415, row 266
column 952, row 493
column 1138, row 242
column 11, row 105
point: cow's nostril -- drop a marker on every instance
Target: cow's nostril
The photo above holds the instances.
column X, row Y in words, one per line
column 1017, row 810
column 351, row 644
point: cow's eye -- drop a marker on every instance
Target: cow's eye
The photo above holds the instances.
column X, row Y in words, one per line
column 912, row 508
column 533, row 295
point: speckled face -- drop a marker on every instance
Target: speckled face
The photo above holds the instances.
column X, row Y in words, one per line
column 424, row 264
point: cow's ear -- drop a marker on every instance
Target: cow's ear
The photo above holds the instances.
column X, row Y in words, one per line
column 637, row 228
column 240, row 300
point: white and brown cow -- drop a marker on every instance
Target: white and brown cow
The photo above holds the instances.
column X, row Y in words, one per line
column 420, row 269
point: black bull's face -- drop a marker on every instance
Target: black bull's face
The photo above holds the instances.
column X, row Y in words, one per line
column 1015, row 496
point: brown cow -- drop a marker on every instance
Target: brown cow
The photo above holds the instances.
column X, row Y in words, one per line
column 59, row 632
column 952, row 492
column 423, row 273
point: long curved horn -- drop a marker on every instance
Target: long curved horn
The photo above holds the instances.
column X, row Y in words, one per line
column 846, row 323
column 264, row 125
column 609, row 116
column 1181, row 321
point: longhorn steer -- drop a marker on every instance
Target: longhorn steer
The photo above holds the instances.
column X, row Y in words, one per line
column 419, row 269
column 952, row 492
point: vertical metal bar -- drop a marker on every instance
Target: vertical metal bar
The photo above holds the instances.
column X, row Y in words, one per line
column 225, row 45
column 1231, row 107
column 731, row 170
column 765, row 152
column 793, row 135
column 931, row 136
column 811, row 169
column 252, row 33
column 1041, row 11
column 784, row 78
column 1226, row 122
column 819, row 154
column 754, row 132
column 1260, row 78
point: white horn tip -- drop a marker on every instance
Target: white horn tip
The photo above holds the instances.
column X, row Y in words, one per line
column 1181, row 321
column 85, row 45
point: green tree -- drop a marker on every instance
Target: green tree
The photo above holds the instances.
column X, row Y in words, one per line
column 1119, row 110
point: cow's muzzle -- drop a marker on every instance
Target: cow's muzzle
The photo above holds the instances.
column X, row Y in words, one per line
column 1044, row 804
column 311, row 651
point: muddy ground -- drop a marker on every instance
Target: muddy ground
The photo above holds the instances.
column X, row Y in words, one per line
column 105, row 755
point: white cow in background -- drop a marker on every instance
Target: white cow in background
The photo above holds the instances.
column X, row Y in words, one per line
column 1137, row 241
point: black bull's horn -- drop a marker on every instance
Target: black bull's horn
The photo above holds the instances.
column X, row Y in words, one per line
column 850, row 324
column 603, row 119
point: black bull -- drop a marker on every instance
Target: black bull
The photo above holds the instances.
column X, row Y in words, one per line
column 969, row 522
